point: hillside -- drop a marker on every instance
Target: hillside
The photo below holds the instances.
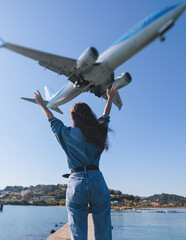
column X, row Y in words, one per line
column 166, row 198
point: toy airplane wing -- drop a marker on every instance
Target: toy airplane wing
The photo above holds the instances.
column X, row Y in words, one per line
column 58, row 64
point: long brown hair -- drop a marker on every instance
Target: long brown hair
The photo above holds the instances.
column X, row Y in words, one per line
column 94, row 130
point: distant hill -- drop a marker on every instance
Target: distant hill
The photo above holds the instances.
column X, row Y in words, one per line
column 12, row 195
column 15, row 188
column 166, row 198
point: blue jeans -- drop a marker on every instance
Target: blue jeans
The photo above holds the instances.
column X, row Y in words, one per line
column 83, row 188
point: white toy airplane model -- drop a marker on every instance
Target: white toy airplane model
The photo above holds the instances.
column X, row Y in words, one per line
column 94, row 73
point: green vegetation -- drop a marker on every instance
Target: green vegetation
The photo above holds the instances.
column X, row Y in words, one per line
column 39, row 195
column 54, row 195
column 165, row 198
column 168, row 200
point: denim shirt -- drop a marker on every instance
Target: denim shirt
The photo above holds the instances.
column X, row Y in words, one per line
column 79, row 150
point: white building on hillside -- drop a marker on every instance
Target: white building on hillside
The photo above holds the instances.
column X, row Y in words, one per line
column 23, row 193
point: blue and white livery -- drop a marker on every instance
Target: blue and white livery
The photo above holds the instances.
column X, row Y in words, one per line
column 95, row 73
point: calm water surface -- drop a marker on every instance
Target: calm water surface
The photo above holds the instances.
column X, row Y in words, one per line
column 30, row 222
column 35, row 223
column 149, row 225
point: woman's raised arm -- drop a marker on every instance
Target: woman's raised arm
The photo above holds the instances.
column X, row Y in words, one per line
column 110, row 94
column 40, row 102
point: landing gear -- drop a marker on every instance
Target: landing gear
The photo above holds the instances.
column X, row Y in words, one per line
column 162, row 38
column 78, row 83
column 96, row 90
column 81, row 82
column 98, row 94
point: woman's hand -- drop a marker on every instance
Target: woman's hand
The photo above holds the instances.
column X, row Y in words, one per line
column 38, row 98
column 110, row 95
column 111, row 92
column 41, row 103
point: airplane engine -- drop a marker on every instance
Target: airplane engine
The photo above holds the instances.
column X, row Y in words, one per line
column 87, row 58
column 122, row 80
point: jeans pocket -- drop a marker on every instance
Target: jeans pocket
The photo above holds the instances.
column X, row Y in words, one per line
column 100, row 187
column 74, row 188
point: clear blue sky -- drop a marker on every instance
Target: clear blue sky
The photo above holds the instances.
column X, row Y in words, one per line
column 147, row 148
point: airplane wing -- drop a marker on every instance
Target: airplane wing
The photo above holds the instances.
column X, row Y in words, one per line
column 58, row 64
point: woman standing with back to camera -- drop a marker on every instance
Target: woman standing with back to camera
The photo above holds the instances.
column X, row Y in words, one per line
column 83, row 144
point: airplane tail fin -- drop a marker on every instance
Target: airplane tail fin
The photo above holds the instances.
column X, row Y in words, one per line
column 56, row 109
column 49, row 93
column 2, row 43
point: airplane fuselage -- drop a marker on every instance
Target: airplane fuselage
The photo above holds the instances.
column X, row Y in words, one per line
column 127, row 46
column 139, row 37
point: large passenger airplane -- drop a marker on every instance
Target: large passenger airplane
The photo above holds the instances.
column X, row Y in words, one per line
column 95, row 73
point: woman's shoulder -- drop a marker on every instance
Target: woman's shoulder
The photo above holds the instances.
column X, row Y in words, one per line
column 77, row 133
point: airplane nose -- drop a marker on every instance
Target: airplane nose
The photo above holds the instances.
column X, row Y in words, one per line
column 179, row 10
column 182, row 6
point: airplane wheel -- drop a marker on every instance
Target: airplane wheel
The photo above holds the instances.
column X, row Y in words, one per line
column 78, row 84
column 98, row 94
column 162, row 38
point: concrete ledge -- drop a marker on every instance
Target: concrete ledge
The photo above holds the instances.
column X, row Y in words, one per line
column 64, row 232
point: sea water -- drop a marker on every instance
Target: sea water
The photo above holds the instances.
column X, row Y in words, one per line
column 35, row 223
column 151, row 224
column 30, row 222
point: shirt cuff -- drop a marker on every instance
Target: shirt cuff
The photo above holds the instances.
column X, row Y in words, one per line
column 50, row 119
column 55, row 121
column 106, row 118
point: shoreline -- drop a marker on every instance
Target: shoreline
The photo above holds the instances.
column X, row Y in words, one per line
column 112, row 207
column 144, row 208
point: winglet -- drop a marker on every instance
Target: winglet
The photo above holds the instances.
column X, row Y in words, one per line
column 2, row 43
column 119, row 107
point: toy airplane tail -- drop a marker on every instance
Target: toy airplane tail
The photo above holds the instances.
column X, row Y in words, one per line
column 34, row 101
